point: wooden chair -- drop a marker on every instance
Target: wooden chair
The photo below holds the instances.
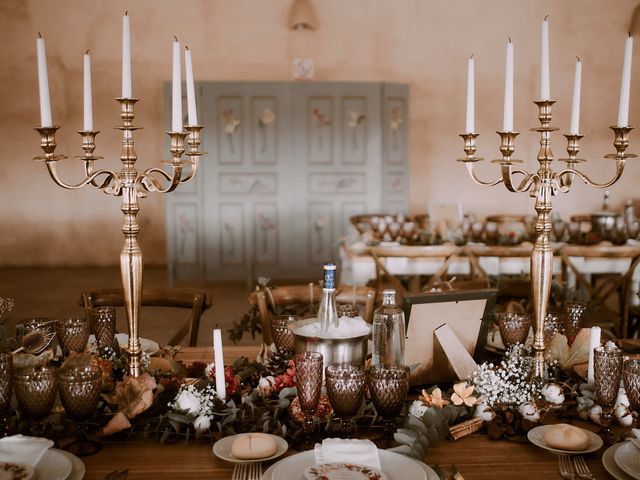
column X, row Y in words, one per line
column 265, row 299
column 195, row 300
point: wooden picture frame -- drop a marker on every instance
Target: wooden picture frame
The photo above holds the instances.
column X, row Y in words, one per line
column 466, row 312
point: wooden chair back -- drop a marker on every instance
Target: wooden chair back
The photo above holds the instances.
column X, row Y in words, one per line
column 197, row 301
column 265, row 299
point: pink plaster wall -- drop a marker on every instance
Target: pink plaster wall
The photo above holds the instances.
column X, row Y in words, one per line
column 419, row 42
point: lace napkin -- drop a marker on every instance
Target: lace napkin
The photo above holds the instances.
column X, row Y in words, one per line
column 336, row 450
column 23, row 450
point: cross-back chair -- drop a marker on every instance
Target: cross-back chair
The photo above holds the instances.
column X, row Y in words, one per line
column 197, row 301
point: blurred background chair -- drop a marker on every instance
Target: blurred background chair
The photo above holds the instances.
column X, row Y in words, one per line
column 197, row 301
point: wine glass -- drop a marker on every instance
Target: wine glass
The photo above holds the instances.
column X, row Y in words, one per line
column 631, row 380
column 80, row 389
column 308, row 383
column 73, row 335
column 345, row 389
column 35, row 389
column 574, row 316
column 6, row 368
column 607, row 370
column 514, row 327
column 282, row 336
column 104, row 325
column 388, row 384
column 552, row 325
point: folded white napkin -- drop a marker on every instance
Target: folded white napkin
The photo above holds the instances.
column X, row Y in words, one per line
column 23, row 450
column 337, row 450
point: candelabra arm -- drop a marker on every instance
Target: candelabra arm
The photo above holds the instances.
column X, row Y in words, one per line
column 507, row 178
column 110, row 178
column 585, row 178
column 151, row 184
column 472, row 173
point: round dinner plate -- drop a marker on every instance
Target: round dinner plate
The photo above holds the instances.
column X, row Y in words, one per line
column 54, row 465
column 610, row 465
column 536, row 436
column 628, row 459
column 394, row 465
column 148, row 346
column 222, row 448
column 77, row 466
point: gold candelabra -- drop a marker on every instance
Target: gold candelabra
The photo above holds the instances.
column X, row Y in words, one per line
column 542, row 185
column 130, row 185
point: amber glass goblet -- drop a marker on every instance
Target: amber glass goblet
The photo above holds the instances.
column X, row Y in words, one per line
column 104, row 325
column 309, row 382
column 574, row 316
column 282, row 336
column 35, row 389
column 388, row 385
column 514, row 327
column 80, row 389
column 345, row 389
column 6, row 370
column 552, row 325
column 631, row 380
column 73, row 334
column 607, row 370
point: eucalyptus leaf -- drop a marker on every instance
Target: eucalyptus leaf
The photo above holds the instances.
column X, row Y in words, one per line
column 403, row 438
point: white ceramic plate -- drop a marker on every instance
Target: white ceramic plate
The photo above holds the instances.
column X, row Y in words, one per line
column 536, row 436
column 394, row 465
column 53, row 465
column 342, row 471
column 610, row 464
column 222, row 448
column 77, row 466
column 628, row 459
column 148, row 346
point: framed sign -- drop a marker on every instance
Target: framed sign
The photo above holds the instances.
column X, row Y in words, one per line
column 467, row 313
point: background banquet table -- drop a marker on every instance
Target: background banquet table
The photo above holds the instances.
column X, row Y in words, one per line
column 477, row 457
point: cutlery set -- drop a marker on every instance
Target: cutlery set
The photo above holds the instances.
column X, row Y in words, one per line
column 574, row 470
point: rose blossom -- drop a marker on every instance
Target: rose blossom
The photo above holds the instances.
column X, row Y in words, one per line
column 202, row 423
column 188, row 401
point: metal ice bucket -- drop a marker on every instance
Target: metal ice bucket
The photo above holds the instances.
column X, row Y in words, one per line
column 351, row 350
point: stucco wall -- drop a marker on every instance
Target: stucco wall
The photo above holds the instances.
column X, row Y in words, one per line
column 422, row 43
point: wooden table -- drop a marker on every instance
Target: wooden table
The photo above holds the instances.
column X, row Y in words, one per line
column 477, row 457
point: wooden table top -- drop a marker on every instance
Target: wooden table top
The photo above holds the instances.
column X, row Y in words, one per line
column 477, row 457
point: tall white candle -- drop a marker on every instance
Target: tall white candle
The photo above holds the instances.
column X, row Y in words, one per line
column 176, row 99
column 471, row 97
column 507, row 124
column 191, row 92
column 221, row 388
column 126, row 56
column 574, row 126
column 88, row 100
column 43, row 84
column 594, row 341
column 545, row 88
column 625, row 84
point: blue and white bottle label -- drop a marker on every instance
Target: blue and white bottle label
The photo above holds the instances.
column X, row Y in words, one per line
column 329, row 276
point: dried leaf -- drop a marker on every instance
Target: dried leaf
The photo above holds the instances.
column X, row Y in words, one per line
column 133, row 395
column 568, row 356
column 117, row 423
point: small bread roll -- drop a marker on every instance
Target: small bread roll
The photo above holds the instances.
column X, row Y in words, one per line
column 253, row 446
column 566, row 437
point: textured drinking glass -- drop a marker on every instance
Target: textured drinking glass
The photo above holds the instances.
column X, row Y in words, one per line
column 574, row 316
column 345, row 389
column 631, row 380
column 282, row 336
column 35, row 389
column 104, row 325
column 388, row 385
column 309, row 382
column 514, row 327
column 552, row 325
column 6, row 370
column 73, row 334
column 607, row 370
column 80, row 389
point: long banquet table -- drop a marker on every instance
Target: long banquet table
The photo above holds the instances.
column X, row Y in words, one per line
column 476, row 457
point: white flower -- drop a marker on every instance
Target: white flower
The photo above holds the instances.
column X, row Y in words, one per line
column 484, row 412
column 624, row 416
column 188, row 401
column 594, row 414
column 202, row 423
column 552, row 393
column 418, row 409
column 209, row 369
column 622, row 398
column 265, row 385
column 529, row 411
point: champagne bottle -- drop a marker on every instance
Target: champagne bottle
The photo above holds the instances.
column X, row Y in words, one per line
column 388, row 331
column 328, row 313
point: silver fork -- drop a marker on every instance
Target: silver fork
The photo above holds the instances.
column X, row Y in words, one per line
column 256, row 473
column 581, row 468
column 239, row 471
column 566, row 470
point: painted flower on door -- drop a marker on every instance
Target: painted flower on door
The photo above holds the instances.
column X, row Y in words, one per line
column 353, row 120
column 231, row 124
column 397, row 119
column 268, row 117
column 321, row 120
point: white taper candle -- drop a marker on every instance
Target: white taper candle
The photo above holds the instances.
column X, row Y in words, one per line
column 625, row 84
column 43, row 84
column 191, row 92
column 176, row 97
column 507, row 125
column 574, row 126
column 126, row 56
column 594, row 341
column 471, row 98
column 88, row 100
column 221, row 388
column 545, row 87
